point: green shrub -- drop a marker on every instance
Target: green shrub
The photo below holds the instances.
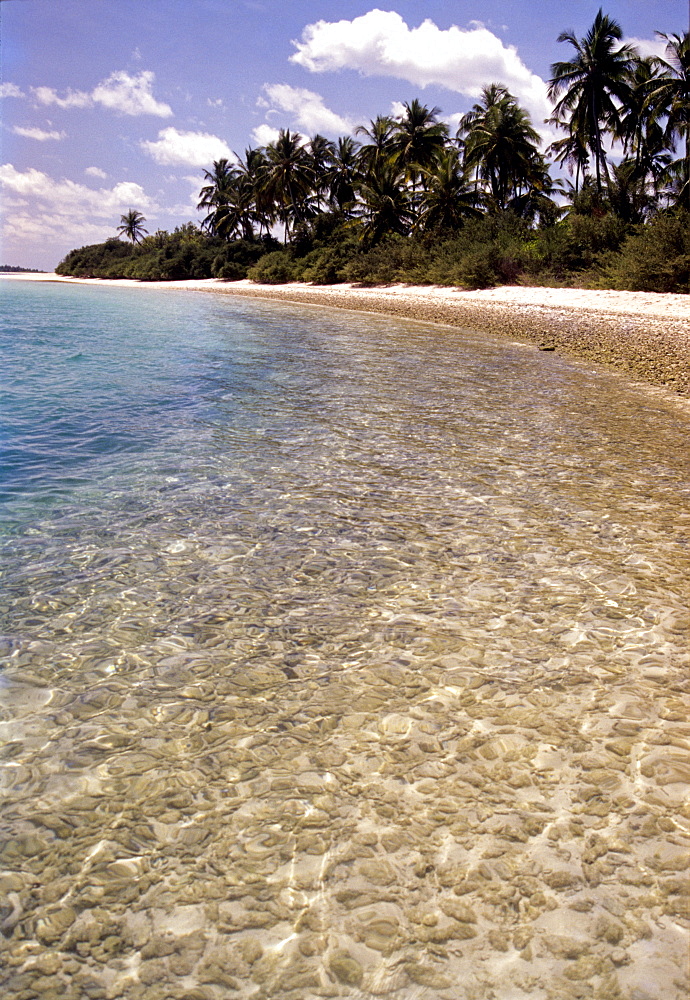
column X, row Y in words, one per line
column 486, row 252
column 185, row 253
column 233, row 260
column 99, row 260
column 655, row 258
column 275, row 268
column 592, row 250
column 232, row 271
column 397, row 259
column 579, row 243
column 321, row 267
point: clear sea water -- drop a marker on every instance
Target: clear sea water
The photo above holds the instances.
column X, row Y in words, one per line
column 228, row 526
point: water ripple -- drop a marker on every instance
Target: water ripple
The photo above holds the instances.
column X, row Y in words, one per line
column 343, row 657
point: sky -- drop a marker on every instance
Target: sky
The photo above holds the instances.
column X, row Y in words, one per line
column 111, row 105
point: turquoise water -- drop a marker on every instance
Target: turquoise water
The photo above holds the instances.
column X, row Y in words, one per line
column 296, row 604
column 104, row 373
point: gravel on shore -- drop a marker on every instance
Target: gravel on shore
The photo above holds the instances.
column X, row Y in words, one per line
column 646, row 336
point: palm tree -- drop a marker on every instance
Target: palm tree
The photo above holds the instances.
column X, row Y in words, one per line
column 321, row 151
column 343, row 175
column 594, row 85
column 417, row 141
column 376, row 152
column 219, row 195
column 640, row 117
column 132, row 225
column 572, row 152
column 630, row 196
column 501, row 145
column 259, row 208
column 385, row 205
column 287, row 179
column 448, row 197
column 534, row 200
column 637, row 180
column 671, row 97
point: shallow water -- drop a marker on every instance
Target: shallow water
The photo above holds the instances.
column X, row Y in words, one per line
column 346, row 656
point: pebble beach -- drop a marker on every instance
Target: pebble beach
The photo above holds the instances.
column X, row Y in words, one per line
column 645, row 335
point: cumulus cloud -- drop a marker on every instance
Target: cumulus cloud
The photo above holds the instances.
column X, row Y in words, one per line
column 10, row 90
column 95, row 172
column 306, row 108
column 121, row 92
column 42, row 239
column 380, row 43
column 263, row 134
column 72, row 99
column 68, row 197
column 37, row 133
column 130, row 95
column 649, row 46
column 453, row 121
column 45, row 217
column 193, row 149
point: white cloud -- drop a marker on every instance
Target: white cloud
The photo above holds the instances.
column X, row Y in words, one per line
column 649, row 46
column 186, row 209
column 194, row 149
column 45, row 217
column 74, row 98
column 37, row 233
column 306, row 108
column 37, row 133
column 263, row 134
column 10, row 90
column 453, row 121
column 380, row 43
column 130, row 95
column 67, row 197
column 95, row 172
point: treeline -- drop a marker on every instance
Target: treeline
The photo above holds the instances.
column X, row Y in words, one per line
column 404, row 200
column 581, row 250
column 8, row 268
column 188, row 252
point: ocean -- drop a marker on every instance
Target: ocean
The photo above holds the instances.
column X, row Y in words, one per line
column 332, row 644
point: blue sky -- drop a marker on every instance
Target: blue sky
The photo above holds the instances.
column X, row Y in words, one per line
column 109, row 105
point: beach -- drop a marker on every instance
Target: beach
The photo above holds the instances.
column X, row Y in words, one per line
column 645, row 335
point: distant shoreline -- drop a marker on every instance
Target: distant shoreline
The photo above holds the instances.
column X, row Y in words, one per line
column 21, row 270
column 646, row 335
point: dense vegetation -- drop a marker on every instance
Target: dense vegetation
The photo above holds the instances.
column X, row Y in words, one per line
column 403, row 200
column 188, row 252
column 8, row 268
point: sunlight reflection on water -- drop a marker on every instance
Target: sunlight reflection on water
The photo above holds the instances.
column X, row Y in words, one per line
column 345, row 657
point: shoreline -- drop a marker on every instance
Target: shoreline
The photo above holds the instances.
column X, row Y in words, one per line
column 644, row 335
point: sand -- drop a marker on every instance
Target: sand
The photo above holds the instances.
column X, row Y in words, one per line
column 645, row 335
